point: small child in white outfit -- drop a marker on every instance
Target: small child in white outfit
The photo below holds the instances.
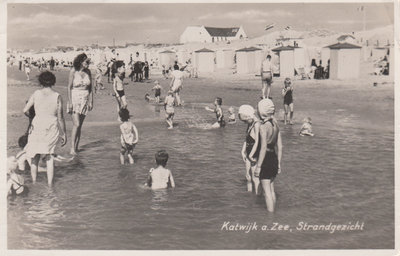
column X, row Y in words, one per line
column 129, row 136
column 306, row 128
column 160, row 177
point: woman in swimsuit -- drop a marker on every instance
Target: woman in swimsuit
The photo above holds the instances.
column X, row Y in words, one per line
column 268, row 163
column 251, row 146
column 80, row 97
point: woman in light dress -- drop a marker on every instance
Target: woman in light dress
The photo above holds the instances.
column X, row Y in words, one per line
column 80, row 97
column 46, row 125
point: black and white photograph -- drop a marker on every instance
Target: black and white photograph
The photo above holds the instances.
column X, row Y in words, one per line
column 259, row 127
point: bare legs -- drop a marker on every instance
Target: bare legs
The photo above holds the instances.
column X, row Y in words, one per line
column 77, row 120
column 266, row 86
column 270, row 197
column 49, row 165
column 287, row 107
column 251, row 179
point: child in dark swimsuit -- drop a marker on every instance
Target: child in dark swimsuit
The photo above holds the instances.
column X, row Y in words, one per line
column 218, row 111
column 157, row 91
column 268, row 163
column 251, row 146
column 287, row 93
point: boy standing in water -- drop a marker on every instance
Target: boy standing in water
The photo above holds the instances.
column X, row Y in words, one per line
column 169, row 103
column 129, row 136
column 157, row 91
column 160, row 177
column 218, row 111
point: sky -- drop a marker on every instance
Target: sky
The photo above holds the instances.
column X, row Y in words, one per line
column 34, row 26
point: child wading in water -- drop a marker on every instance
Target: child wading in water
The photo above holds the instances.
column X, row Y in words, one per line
column 287, row 93
column 169, row 103
column 129, row 136
column 218, row 111
column 160, row 177
column 157, row 91
column 306, row 128
column 119, row 85
column 232, row 117
column 251, row 147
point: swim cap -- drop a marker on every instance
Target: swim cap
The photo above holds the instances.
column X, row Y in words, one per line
column 246, row 110
column 266, row 108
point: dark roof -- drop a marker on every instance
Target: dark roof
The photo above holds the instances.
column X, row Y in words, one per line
column 343, row 46
column 167, row 51
column 343, row 37
column 224, row 32
column 284, row 48
column 204, row 50
column 250, row 49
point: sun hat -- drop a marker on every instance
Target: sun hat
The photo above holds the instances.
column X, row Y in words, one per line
column 266, row 108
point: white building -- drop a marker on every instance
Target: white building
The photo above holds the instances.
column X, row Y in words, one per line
column 210, row 34
column 344, row 61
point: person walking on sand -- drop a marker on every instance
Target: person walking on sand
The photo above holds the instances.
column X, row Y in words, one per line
column 269, row 160
column 266, row 76
column 80, row 97
column 46, row 125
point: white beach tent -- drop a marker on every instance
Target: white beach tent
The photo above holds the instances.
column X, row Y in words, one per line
column 246, row 59
column 286, row 60
column 205, row 60
column 344, row 61
column 167, row 58
column 225, row 58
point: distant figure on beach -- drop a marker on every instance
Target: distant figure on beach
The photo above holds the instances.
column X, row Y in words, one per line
column 287, row 93
column 15, row 181
column 52, row 63
column 80, row 97
column 266, row 76
column 129, row 136
column 137, row 63
column 251, row 147
column 118, row 85
column 306, row 128
column 218, row 111
column 232, row 117
column 169, row 103
column 176, row 84
column 160, row 177
column 176, row 66
column 157, row 91
column 146, row 70
column 269, row 160
column 98, row 83
column 46, row 125
column 27, row 66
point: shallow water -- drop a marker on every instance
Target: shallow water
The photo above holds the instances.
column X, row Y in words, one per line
column 343, row 174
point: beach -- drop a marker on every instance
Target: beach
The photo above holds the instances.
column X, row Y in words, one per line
column 342, row 176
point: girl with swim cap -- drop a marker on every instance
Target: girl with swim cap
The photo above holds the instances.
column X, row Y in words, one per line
column 251, row 146
column 269, row 160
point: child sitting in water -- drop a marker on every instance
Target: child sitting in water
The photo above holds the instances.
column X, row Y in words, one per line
column 15, row 182
column 306, row 128
column 169, row 103
column 160, row 177
column 232, row 117
column 218, row 111
column 129, row 136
